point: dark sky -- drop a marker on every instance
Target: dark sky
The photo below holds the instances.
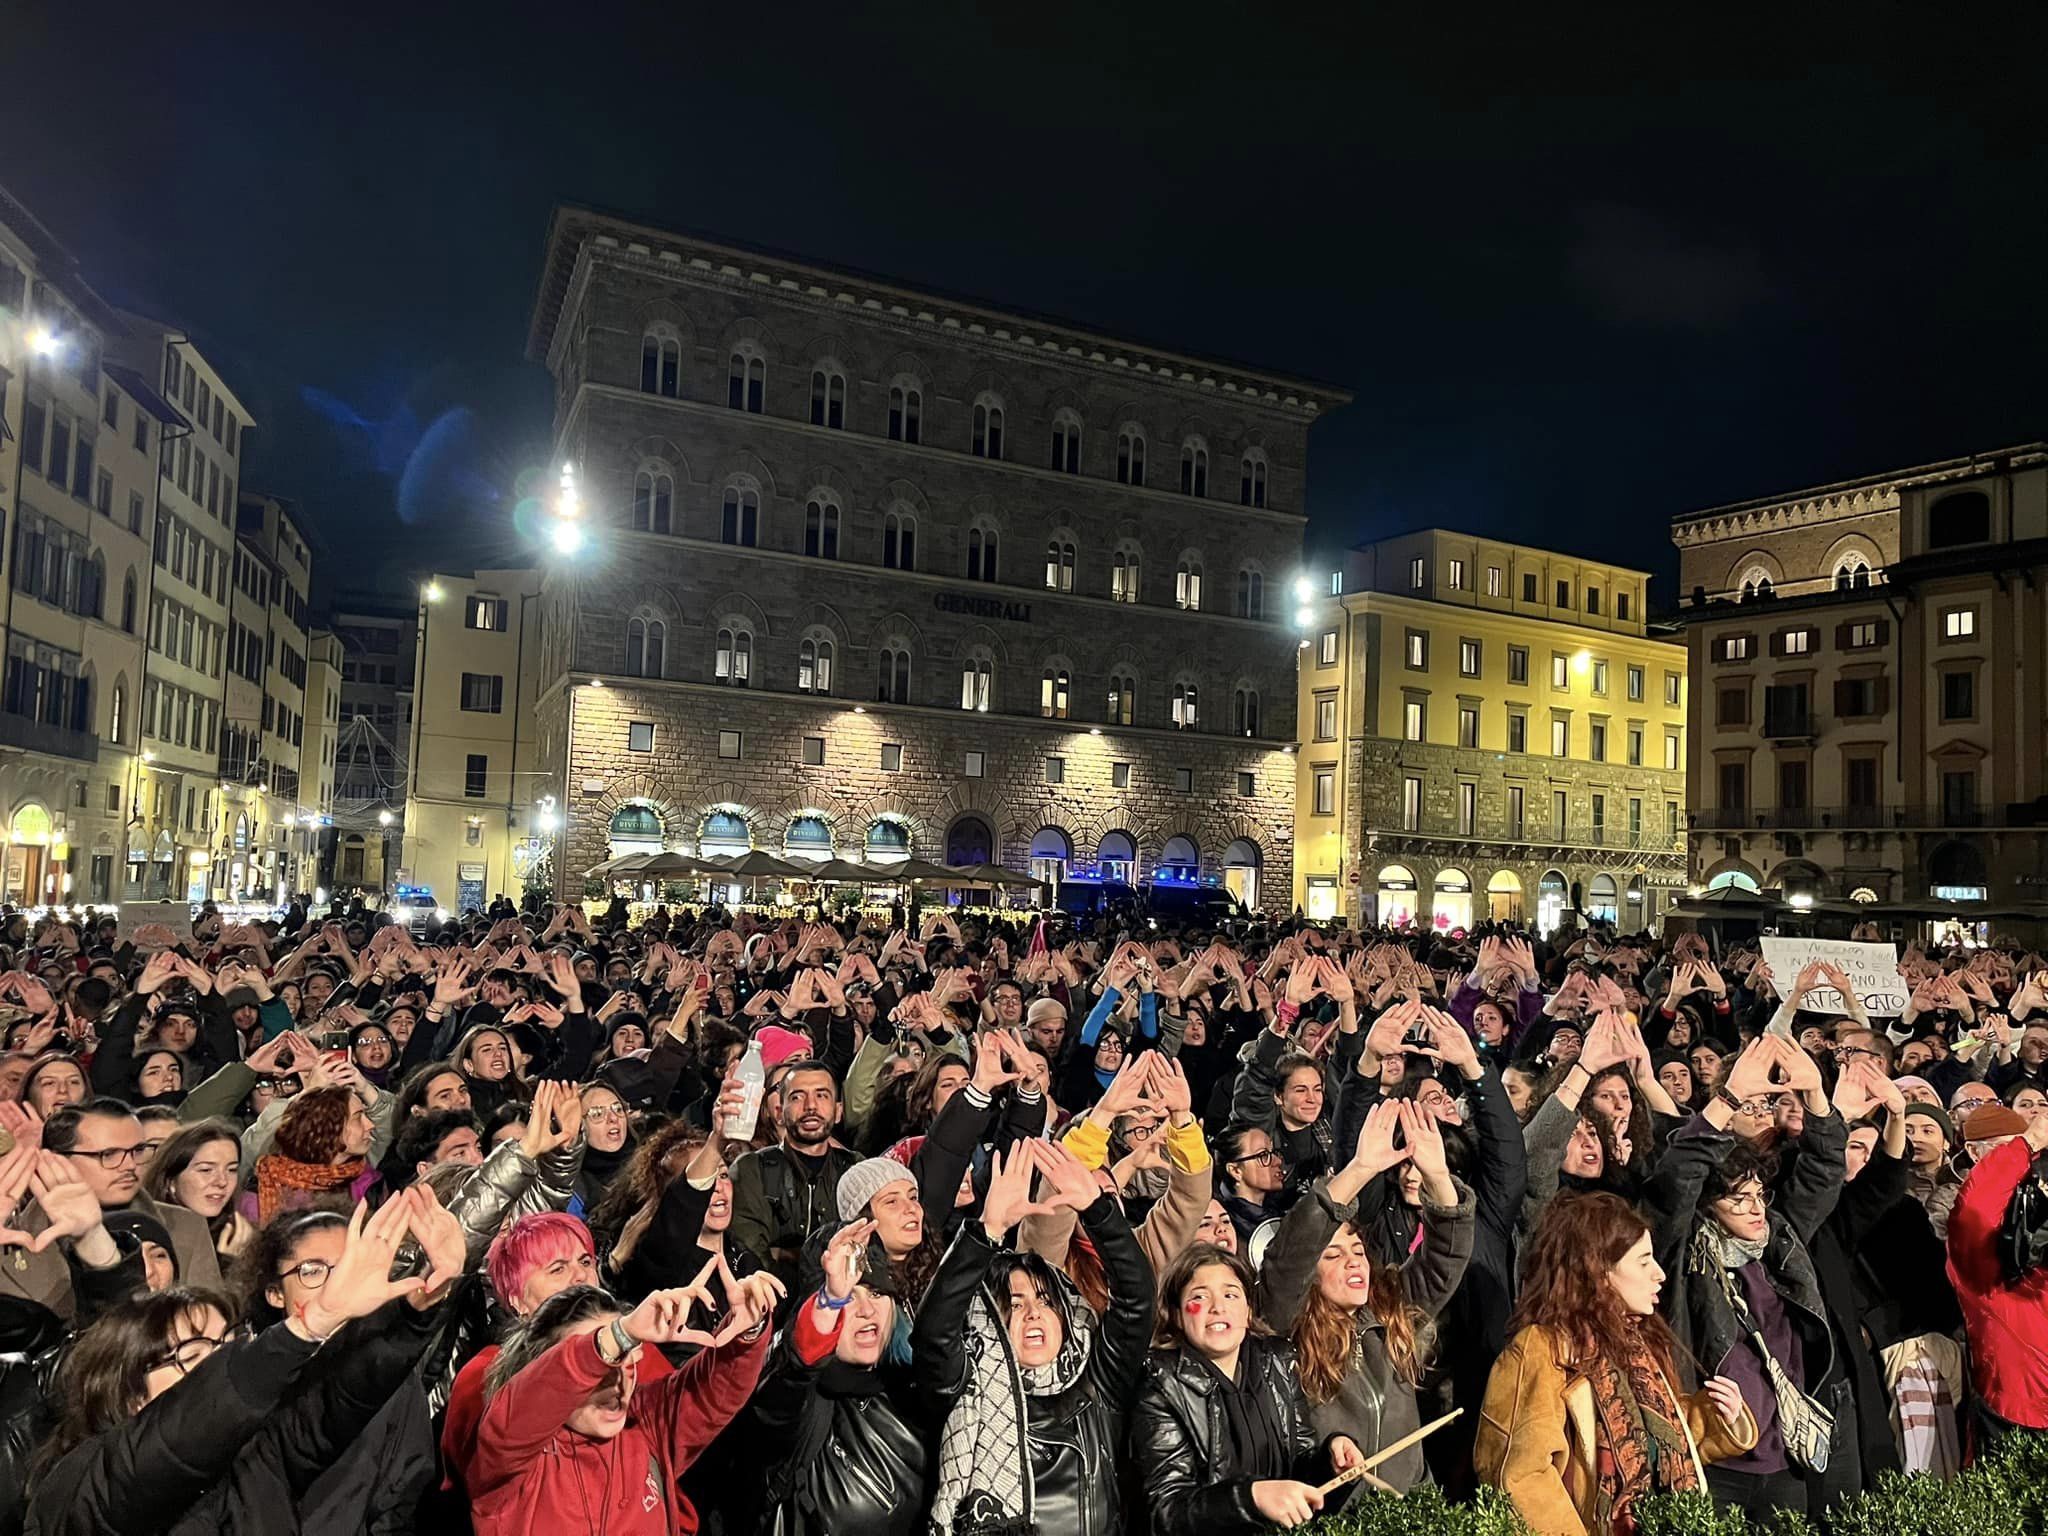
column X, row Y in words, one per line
column 1582, row 269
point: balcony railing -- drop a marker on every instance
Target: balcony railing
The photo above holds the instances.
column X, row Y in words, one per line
column 51, row 740
column 1852, row 818
column 1782, row 723
column 1577, row 834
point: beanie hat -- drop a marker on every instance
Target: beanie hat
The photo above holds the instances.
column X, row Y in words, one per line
column 1931, row 1112
column 145, row 1228
column 1045, row 1008
column 1992, row 1122
column 779, row 1045
column 865, row 1180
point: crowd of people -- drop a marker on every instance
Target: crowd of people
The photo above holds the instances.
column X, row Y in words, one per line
column 706, row 1221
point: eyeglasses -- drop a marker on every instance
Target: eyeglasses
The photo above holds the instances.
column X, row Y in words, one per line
column 312, row 1273
column 1267, row 1156
column 114, row 1157
column 187, row 1355
column 615, row 1112
column 1758, row 1201
column 1761, row 1106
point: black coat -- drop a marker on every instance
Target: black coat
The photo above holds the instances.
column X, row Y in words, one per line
column 1076, row 1436
column 847, row 1450
column 1180, row 1441
column 237, row 1445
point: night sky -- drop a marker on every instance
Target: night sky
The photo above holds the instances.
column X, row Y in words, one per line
column 1581, row 270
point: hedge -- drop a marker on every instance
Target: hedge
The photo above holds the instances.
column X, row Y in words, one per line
column 2004, row 1494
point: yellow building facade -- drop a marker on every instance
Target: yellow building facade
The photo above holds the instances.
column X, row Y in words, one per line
column 1487, row 731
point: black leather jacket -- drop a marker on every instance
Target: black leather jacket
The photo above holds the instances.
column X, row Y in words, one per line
column 846, row 1448
column 1181, row 1444
column 1074, row 1435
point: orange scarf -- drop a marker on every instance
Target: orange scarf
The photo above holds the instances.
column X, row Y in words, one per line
column 283, row 1182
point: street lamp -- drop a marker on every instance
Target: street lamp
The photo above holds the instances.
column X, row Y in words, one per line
column 44, row 342
column 383, row 818
column 1304, row 589
column 431, row 591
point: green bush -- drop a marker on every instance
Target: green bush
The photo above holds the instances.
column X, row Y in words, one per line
column 2005, row 1494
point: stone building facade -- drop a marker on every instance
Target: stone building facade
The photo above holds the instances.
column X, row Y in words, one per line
column 830, row 516
column 1487, row 731
column 1871, row 710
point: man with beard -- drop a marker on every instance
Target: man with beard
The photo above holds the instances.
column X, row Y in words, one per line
column 782, row 1194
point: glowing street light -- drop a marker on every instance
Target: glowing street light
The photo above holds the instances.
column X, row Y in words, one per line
column 383, row 818
column 44, row 342
column 567, row 538
column 1304, row 616
column 1304, row 589
column 431, row 591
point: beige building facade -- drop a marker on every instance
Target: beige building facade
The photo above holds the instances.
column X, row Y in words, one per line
column 1871, row 656
column 474, row 757
column 1487, row 731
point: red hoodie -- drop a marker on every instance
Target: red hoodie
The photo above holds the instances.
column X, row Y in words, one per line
column 2007, row 1323
column 532, row 1476
column 466, row 1411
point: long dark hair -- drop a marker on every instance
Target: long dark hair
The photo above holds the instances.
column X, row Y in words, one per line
column 105, row 1373
column 533, row 1337
column 256, row 1266
column 640, row 1184
column 1565, row 1265
column 1166, row 1330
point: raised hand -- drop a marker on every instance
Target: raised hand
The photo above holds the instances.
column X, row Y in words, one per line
column 1170, row 1085
column 1070, row 1181
column 361, row 1281
column 1376, row 1151
column 994, row 1061
column 845, row 1259
column 1009, row 1191
column 1425, row 1141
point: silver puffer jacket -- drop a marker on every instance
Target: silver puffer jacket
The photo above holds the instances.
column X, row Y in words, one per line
column 508, row 1185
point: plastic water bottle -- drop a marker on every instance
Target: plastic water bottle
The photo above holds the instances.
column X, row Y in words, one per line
column 753, row 1077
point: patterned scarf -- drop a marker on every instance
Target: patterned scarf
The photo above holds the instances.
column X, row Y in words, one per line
column 984, row 1451
column 1642, row 1444
column 1807, row 1429
column 283, row 1183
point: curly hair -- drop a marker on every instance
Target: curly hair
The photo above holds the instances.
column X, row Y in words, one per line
column 269, row 1253
column 1325, row 1333
column 312, row 1128
column 1740, row 1164
column 629, row 1200
column 1565, row 1264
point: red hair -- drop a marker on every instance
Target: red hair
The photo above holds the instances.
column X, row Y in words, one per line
column 530, row 1244
column 1565, row 1265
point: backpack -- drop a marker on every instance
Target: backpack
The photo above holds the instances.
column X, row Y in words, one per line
column 2023, row 1235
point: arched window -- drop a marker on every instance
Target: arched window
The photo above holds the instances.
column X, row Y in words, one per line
column 977, row 682
column 988, row 427
column 646, row 645
column 1059, row 566
column 661, row 363
column 821, row 528
column 893, row 683
column 117, row 729
column 1123, row 576
column 807, row 837
column 128, row 602
column 1194, row 467
column 1251, row 483
column 814, row 666
column 1051, row 851
column 1130, row 456
column 746, row 379
column 1180, row 860
column 1187, row 584
column 724, row 834
column 634, row 828
column 981, row 554
column 1123, row 698
column 1053, row 694
column 654, row 499
column 1183, row 706
column 828, row 396
column 899, row 540
column 888, row 839
column 735, row 663
column 1756, row 582
column 92, row 587
column 740, row 521
column 1244, row 711
column 906, row 411
column 1251, row 595
column 1116, row 857
column 1066, row 441
column 1851, row 572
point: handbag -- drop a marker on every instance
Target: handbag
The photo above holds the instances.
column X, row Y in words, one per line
column 1807, row 1428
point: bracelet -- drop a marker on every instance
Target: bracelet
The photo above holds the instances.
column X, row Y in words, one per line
column 1728, row 1098
column 830, row 1305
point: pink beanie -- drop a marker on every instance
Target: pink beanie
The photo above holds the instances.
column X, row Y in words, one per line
column 779, row 1045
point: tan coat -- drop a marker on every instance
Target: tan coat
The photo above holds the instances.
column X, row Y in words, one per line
column 46, row 1277
column 1538, row 1436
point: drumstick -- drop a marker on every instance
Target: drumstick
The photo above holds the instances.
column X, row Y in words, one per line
column 1364, row 1469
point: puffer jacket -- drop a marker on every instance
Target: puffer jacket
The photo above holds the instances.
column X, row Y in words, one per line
column 1374, row 1406
column 1180, row 1440
column 846, row 1447
column 1075, row 1437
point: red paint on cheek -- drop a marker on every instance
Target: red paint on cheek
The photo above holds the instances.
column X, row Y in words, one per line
column 1194, row 1309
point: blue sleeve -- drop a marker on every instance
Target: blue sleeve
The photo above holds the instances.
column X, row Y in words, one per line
column 1148, row 1015
column 1105, row 1005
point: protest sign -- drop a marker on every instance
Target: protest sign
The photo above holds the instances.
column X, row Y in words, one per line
column 1872, row 969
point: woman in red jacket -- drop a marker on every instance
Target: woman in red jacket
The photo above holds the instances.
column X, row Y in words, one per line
column 2006, row 1315
column 568, row 1443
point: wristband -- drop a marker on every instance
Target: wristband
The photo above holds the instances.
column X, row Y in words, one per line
column 830, row 1305
column 1725, row 1097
